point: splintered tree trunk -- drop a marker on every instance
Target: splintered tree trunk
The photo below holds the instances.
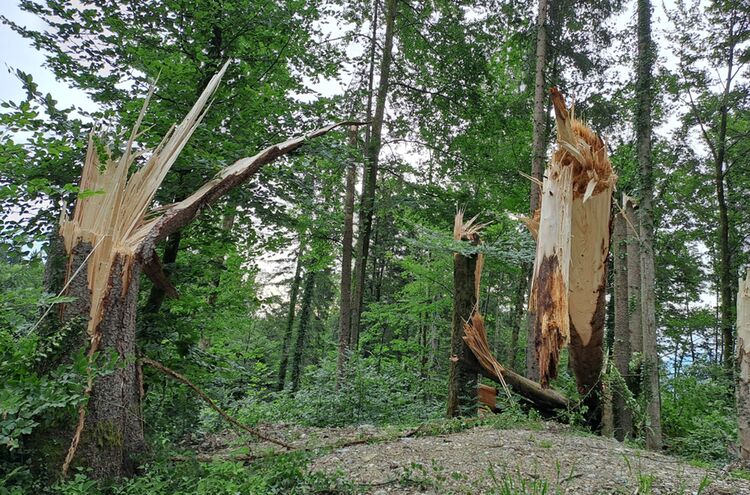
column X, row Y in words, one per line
column 463, row 380
column 570, row 270
column 621, row 351
column 548, row 301
column 588, row 284
column 289, row 332
column 114, row 429
column 109, row 240
column 743, row 359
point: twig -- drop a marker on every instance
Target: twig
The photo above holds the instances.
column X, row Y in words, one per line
column 210, row 458
column 176, row 376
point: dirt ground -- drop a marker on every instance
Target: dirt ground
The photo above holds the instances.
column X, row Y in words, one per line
column 548, row 460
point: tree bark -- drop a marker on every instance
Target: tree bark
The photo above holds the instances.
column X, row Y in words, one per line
column 644, row 90
column 539, row 141
column 293, row 291
column 302, row 329
column 114, row 429
column 623, row 417
column 157, row 294
column 367, row 204
column 462, row 381
column 633, row 256
column 516, row 320
column 725, row 271
column 743, row 359
column 345, row 307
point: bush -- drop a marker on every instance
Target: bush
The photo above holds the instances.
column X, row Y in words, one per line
column 698, row 413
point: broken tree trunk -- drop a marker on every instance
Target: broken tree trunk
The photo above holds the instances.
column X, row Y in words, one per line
column 109, row 240
column 743, row 358
column 569, row 280
column 462, row 381
column 568, row 285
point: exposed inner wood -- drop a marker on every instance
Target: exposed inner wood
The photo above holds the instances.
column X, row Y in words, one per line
column 743, row 357
column 572, row 232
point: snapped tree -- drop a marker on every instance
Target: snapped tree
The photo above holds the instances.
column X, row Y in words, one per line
column 109, row 241
column 570, row 269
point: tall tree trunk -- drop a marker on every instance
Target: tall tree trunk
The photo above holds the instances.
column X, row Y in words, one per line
column 293, row 292
column 633, row 256
column 743, row 358
column 644, row 89
column 345, row 307
column 157, row 294
column 516, row 320
column 367, row 205
column 725, row 271
column 621, row 352
column 462, row 381
column 539, row 141
column 302, row 329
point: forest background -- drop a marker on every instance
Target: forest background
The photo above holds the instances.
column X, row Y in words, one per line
column 258, row 321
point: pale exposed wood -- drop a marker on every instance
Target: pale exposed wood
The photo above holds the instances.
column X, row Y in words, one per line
column 550, row 280
column 567, row 296
column 743, row 358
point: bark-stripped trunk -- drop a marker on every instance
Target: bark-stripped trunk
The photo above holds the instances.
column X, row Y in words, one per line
column 622, row 415
column 570, row 269
column 305, row 317
column 367, row 204
column 462, row 381
column 289, row 332
column 646, row 221
column 743, row 361
column 548, row 301
column 569, row 281
column 539, row 145
column 345, row 307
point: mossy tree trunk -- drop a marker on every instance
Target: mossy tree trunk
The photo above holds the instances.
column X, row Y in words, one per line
column 621, row 352
column 463, row 379
column 644, row 90
column 114, row 429
column 305, row 317
column 743, row 358
column 289, row 331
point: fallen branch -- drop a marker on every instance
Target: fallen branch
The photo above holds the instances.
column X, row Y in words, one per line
column 544, row 400
column 176, row 376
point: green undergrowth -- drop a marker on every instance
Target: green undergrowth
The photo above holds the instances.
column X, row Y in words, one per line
column 282, row 474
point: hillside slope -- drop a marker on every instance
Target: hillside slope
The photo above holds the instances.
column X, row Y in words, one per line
column 549, row 460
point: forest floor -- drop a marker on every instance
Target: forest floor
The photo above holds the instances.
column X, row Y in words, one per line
column 544, row 458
